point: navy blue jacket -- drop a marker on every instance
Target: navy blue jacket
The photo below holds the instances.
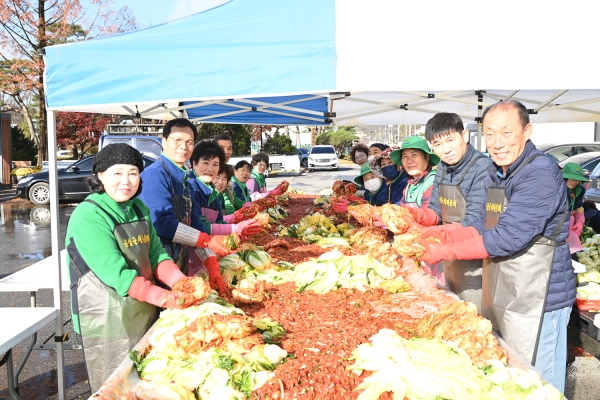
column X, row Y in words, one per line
column 380, row 197
column 207, row 209
column 471, row 186
column 538, row 200
column 156, row 193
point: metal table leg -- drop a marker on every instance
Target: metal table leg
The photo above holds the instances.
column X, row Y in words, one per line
column 30, row 348
column 10, row 379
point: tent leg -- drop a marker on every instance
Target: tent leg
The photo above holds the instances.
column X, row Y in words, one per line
column 55, row 232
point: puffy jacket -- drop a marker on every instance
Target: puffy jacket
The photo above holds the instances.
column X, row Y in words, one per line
column 538, row 200
column 156, row 194
column 396, row 187
column 471, row 185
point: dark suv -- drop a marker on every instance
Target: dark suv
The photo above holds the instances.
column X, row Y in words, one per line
column 71, row 182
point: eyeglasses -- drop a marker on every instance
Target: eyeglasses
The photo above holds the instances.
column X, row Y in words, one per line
column 178, row 142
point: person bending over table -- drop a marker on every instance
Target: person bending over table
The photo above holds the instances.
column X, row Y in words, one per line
column 573, row 176
column 116, row 258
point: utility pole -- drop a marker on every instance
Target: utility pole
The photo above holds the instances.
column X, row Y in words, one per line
column 313, row 135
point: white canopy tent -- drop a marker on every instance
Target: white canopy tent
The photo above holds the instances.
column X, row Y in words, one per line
column 344, row 62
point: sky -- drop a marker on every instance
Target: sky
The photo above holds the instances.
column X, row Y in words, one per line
column 155, row 12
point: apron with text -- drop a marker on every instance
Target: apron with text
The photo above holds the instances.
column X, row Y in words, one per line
column 515, row 288
column 111, row 325
column 463, row 277
column 182, row 205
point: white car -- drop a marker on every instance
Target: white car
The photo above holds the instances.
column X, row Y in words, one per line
column 278, row 163
column 322, row 157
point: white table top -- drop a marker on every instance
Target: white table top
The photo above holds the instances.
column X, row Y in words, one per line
column 41, row 275
column 18, row 323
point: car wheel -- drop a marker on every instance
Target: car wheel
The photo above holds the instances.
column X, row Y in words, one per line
column 40, row 216
column 304, row 163
column 266, row 174
column 39, row 193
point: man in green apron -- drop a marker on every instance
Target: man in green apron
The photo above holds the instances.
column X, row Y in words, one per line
column 116, row 260
column 457, row 196
column 528, row 279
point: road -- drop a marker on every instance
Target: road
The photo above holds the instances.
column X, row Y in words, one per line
column 25, row 238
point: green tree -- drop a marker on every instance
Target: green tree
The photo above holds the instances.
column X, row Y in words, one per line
column 278, row 144
column 240, row 135
column 23, row 148
column 340, row 140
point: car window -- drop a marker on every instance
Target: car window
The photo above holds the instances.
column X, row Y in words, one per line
column 85, row 164
column 586, row 149
column 596, row 172
column 560, row 153
column 303, row 150
column 591, row 165
column 322, row 150
column 148, row 147
column 116, row 140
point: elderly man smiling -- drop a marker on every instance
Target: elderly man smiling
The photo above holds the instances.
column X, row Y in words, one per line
column 528, row 280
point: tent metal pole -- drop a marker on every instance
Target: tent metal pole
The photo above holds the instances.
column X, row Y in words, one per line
column 55, row 232
column 479, row 121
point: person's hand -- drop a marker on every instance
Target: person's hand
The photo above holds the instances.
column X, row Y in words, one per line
column 214, row 275
column 341, row 205
column 142, row 289
column 423, row 216
column 178, row 300
column 440, row 234
column 248, row 228
column 244, row 213
column 216, row 244
column 280, row 189
column 435, row 252
column 378, row 222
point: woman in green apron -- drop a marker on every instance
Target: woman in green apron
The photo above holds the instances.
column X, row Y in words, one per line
column 241, row 174
column 573, row 176
column 115, row 260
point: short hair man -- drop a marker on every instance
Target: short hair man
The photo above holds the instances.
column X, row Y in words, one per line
column 528, row 280
column 168, row 195
column 457, row 196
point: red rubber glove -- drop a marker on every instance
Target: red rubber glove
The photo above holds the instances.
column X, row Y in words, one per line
column 341, row 205
column 248, row 228
column 378, row 222
column 280, row 189
column 450, row 233
column 240, row 215
column 424, row 216
column 168, row 272
column 142, row 289
column 470, row 249
column 214, row 275
column 213, row 242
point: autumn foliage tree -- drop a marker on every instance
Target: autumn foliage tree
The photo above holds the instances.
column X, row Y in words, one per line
column 80, row 130
column 27, row 27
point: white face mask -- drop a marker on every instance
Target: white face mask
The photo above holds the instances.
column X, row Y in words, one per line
column 370, row 158
column 372, row 185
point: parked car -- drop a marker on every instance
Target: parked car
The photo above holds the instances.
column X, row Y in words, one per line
column 322, row 157
column 150, row 146
column 278, row 163
column 563, row 151
column 71, row 182
column 588, row 161
column 303, row 156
